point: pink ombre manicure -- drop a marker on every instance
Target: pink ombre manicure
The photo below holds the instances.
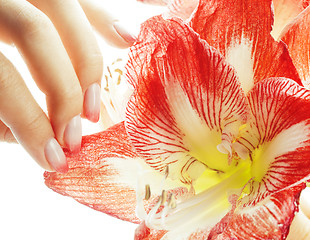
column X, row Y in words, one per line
column 123, row 32
column 55, row 156
column 92, row 102
column 73, row 134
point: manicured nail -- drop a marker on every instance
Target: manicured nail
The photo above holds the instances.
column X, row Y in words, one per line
column 123, row 32
column 73, row 134
column 92, row 102
column 55, row 156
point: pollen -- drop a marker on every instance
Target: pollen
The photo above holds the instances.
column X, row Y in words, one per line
column 147, row 192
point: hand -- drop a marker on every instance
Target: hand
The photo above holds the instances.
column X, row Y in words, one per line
column 61, row 52
column 300, row 227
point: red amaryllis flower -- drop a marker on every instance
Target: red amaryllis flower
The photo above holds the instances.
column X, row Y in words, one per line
column 216, row 141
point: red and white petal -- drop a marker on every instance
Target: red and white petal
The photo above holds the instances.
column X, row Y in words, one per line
column 284, row 12
column 107, row 175
column 181, row 8
column 280, row 125
column 180, row 110
column 240, row 30
column 298, row 40
column 154, row 37
column 144, row 233
column 271, row 219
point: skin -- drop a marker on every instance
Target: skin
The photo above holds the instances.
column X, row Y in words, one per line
column 59, row 47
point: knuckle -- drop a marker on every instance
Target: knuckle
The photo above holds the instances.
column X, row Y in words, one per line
column 72, row 95
column 35, row 124
column 68, row 99
column 32, row 23
column 91, row 67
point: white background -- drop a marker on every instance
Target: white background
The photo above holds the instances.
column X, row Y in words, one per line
column 30, row 210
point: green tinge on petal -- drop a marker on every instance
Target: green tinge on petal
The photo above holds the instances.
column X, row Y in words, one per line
column 205, row 150
column 212, row 178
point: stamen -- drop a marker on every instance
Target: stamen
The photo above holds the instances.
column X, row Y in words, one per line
column 172, row 202
column 164, row 213
column 140, row 194
column 241, row 151
column 167, row 172
column 147, row 192
column 163, row 197
column 152, row 214
column 212, row 202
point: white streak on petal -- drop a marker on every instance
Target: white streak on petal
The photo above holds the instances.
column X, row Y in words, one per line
column 199, row 139
column 240, row 57
column 287, row 141
column 136, row 170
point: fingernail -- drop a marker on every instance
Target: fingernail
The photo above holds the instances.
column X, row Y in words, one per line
column 55, row 156
column 123, row 32
column 92, row 102
column 73, row 134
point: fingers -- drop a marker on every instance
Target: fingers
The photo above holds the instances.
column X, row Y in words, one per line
column 27, row 121
column 38, row 41
column 61, row 52
column 82, row 47
column 305, row 202
column 107, row 25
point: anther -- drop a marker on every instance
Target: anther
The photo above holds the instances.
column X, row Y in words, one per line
column 147, row 192
column 171, row 202
column 163, row 197
column 167, row 172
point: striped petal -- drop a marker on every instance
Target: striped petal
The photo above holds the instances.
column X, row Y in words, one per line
column 279, row 137
column 240, row 30
column 145, row 233
column 298, row 40
column 284, row 12
column 181, row 8
column 182, row 111
column 104, row 175
column 154, row 37
column 271, row 219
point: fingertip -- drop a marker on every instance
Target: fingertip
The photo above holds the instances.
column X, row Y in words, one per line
column 92, row 103
column 129, row 37
column 73, row 134
column 63, row 108
column 55, row 156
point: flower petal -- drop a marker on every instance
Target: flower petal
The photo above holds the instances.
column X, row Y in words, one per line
column 271, row 219
column 104, row 175
column 181, row 8
column 145, row 233
column 242, row 35
column 181, row 110
column 279, row 143
column 298, row 40
column 115, row 93
column 284, row 12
